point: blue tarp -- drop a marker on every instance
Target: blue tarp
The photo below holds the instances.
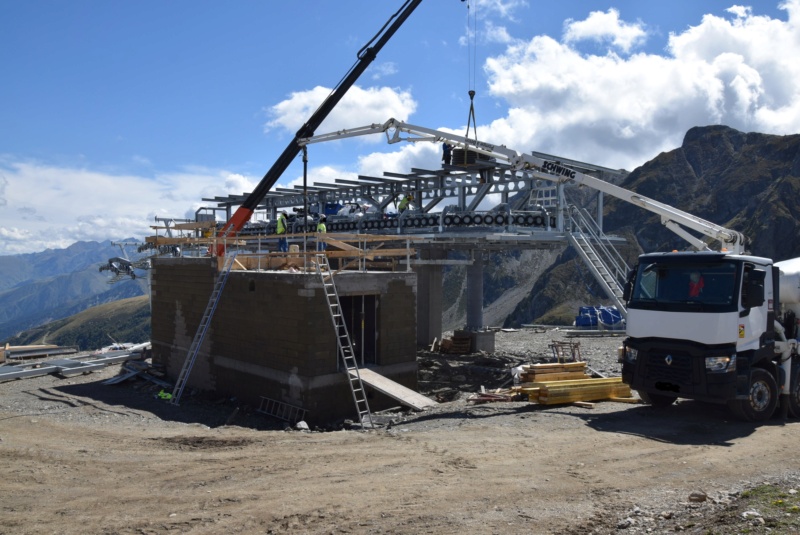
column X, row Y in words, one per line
column 599, row 317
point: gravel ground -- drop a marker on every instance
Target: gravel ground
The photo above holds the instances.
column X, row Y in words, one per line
column 460, row 467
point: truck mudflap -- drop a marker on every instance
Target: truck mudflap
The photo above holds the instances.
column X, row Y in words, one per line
column 665, row 367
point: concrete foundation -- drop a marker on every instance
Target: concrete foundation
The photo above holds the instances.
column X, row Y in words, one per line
column 483, row 341
column 272, row 336
column 479, row 340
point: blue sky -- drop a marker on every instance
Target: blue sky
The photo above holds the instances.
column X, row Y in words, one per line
column 116, row 112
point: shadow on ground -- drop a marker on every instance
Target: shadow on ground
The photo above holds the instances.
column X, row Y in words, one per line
column 141, row 396
column 687, row 423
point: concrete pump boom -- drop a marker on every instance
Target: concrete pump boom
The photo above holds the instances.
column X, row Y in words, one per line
column 671, row 217
column 365, row 56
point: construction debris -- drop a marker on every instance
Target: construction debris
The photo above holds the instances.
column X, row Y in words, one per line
column 565, row 351
column 34, row 351
column 71, row 366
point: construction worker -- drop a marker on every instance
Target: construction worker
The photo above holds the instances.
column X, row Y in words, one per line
column 283, row 244
column 447, row 151
column 404, row 203
column 321, row 229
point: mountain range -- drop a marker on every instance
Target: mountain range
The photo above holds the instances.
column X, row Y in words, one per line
column 37, row 288
column 748, row 182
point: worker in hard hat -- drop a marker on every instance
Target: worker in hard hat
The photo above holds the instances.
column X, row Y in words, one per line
column 321, row 229
column 405, row 202
column 283, row 243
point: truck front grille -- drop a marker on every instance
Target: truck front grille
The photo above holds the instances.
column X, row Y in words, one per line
column 670, row 367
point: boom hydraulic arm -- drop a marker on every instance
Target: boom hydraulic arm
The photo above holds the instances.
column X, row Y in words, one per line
column 673, row 218
column 365, row 56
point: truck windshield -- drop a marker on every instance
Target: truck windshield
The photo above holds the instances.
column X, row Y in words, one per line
column 702, row 287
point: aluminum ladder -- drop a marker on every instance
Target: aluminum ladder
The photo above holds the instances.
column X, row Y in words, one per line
column 281, row 410
column 597, row 252
column 194, row 349
column 345, row 347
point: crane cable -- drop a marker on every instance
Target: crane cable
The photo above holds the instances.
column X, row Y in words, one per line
column 472, row 60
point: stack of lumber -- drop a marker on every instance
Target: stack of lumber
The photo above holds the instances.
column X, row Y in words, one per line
column 560, row 392
column 565, row 371
column 553, row 384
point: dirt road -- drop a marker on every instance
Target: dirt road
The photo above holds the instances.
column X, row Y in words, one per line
column 79, row 457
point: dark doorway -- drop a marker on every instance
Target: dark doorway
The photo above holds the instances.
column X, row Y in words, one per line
column 361, row 317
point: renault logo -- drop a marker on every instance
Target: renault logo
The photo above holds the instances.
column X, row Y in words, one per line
column 668, row 360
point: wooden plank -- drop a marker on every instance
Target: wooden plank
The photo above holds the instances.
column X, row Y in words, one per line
column 554, row 366
column 566, row 376
column 348, row 237
column 394, row 390
column 581, row 394
column 579, row 383
column 568, row 396
column 357, row 253
column 341, row 245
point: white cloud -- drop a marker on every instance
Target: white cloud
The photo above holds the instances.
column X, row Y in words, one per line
column 496, row 34
column 358, row 107
column 53, row 207
column 504, row 9
column 622, row 111
column 605, row 27
column 383, row 70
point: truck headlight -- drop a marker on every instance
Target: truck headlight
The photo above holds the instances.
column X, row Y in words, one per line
column 721, row 364
column 630, row 354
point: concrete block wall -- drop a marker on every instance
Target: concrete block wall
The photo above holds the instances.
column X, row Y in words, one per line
column 398, row 331
column 271, row 334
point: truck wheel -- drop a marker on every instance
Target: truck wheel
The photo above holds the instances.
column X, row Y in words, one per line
column 794, row 391
column 656, row 400
column 761, row 400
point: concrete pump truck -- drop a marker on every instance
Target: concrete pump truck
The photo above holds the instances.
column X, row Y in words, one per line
column 717, row 326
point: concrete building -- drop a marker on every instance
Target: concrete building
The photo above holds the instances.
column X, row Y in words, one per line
column 271, row 335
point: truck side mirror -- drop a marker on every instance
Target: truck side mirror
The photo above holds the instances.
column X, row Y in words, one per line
column 626, row 291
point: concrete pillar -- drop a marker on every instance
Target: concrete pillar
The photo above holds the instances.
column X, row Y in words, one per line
column 429, row 297
column 475, row 292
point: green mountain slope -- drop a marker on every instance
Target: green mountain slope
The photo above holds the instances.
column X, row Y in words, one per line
column 125, row 320
column 41, row 287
